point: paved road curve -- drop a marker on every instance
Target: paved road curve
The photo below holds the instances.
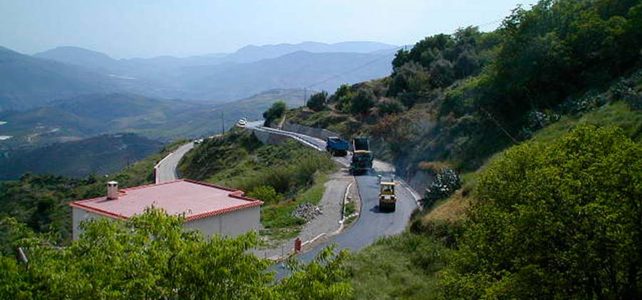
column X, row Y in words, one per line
column 166, row 168
column 372, row 224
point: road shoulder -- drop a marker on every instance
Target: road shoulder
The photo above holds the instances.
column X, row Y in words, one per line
column 323, row 226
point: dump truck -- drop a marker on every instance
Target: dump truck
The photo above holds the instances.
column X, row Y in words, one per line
column 387, row 197
column 361, row 156
column 337, row 146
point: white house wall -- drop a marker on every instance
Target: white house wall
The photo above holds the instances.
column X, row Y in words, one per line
column 229, row 224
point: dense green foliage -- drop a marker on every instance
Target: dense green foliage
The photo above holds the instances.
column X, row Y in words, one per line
column 318, row 101
column 274, row 112
column 556, row 220
column 151, row 256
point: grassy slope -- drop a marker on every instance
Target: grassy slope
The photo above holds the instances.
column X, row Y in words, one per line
column 240, row 161
column 402, row 266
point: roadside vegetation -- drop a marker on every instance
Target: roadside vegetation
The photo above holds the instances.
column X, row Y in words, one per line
column 529, row 138
column 283, row 176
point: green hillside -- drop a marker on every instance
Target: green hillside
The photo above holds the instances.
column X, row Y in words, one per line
column 26, row 82
column 69, row 128
column 89, row 115
column 529, row 140
column 239, row 160
column 104, row 154
column 542, row 119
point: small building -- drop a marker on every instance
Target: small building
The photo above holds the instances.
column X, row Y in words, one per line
column 207, row 208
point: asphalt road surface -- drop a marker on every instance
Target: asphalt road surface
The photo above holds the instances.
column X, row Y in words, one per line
column 166, row 168
column 372, row 223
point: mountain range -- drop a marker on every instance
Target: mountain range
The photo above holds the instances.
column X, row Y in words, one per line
column 84, row 116
column 30, row 81
column 68, row 96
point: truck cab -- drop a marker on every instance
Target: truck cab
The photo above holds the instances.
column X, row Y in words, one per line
column 337, row 146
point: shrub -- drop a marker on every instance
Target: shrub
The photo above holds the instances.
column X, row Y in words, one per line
column 558, row 220
column 265, row 193
column 318, row 101
column 274, row 112
column 362, row 102
column 446, row 182
column 390, row 106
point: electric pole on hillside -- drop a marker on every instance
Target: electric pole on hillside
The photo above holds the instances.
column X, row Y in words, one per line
column 305, row 95
column 222, row 122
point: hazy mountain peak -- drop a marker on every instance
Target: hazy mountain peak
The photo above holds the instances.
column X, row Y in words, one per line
column 78, row 56
column 252, row 53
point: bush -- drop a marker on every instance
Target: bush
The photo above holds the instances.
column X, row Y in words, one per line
column 265, row 193
column 390, row 106
column 557, row 220
column 274, row 112
column 318, row 101
column 362, row 102
column 445, row 184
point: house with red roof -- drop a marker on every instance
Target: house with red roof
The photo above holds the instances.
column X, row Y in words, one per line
column 208, row 208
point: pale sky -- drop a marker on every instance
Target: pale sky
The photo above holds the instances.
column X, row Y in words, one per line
column 146, row 28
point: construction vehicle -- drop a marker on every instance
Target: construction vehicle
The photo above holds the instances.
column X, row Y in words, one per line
column 337, row 146
column 387, row 197
column 361, row 156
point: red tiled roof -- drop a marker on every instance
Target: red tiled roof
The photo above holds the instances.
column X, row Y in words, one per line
column 195, row 199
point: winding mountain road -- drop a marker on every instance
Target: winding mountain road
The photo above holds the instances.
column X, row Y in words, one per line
column 372, row 224
column 165, row 170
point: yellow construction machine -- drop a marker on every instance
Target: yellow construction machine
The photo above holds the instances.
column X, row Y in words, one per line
column 387, row 197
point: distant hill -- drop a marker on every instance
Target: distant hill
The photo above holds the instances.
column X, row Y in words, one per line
column 89, row 115
column 253, row 53
column 80, row 57
column 218, row 78
column 26, row 81
column 321, row 71
column 97, row 155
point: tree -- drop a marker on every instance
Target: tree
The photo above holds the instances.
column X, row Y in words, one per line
column 362, row 102
column 318, row 101
column 560, row 220
column 274, row 112
column 151, row 256
column 390, row 106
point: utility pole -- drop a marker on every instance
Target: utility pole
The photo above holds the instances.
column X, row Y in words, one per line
column 305, row 95
column 222, row 122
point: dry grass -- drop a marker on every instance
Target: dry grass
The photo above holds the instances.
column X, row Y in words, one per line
column 453, row 209
column 434, row 166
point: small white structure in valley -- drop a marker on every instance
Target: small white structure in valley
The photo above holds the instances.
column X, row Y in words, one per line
column 208, row 208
